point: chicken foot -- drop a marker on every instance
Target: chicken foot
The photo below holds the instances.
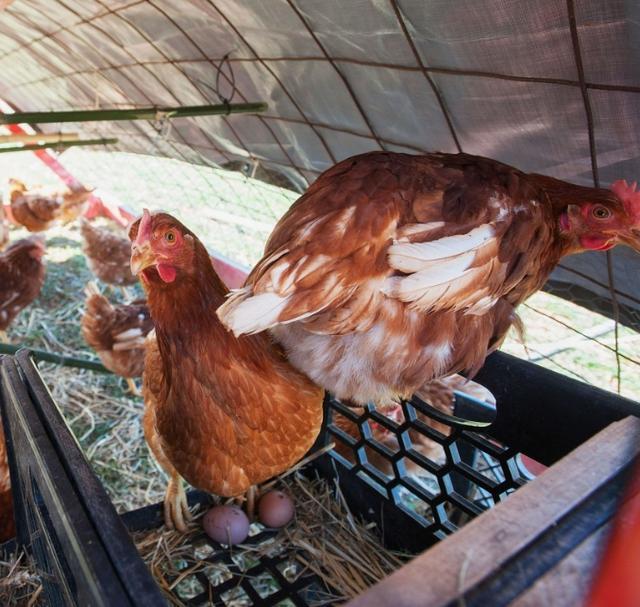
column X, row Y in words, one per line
column 250, row 498
column 176, row 509
column 132, row 387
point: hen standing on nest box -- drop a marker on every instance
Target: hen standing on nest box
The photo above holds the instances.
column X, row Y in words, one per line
column 393, row 270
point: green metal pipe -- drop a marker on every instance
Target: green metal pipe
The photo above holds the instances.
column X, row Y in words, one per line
column 52, row 357
column 148, row 113
column 57, row 144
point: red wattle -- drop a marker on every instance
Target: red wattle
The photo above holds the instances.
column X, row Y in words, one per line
column 166, row 272
column 596, row 243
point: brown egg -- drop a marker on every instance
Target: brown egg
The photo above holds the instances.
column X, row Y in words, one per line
column 226, row 524
column 275, row 509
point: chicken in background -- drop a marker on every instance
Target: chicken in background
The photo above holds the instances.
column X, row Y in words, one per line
column 117, row 333
column 7, row 522
column 393, row 270
column 22, row 274
column 4, row 228
column 440, row 394
column 223, row 413
column 108, row 254
column 39, row 208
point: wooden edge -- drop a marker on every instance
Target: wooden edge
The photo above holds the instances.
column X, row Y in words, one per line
column 443, row 573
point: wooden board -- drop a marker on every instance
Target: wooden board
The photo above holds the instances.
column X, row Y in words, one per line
column 508, row 550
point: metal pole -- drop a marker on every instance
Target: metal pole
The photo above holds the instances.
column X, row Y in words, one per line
column 57, row 144
column 148, row 113
column 52, row 357
column 38, row 137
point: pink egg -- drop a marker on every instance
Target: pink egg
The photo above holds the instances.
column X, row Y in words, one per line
column 275, row 509
column 226, row 524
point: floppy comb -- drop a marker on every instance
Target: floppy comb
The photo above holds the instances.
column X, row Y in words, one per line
column 144, row 229
column 629, row 195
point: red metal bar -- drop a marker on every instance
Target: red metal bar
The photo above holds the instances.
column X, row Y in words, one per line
column 617, row 583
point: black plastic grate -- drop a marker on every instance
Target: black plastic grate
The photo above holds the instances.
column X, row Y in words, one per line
column 438, row 474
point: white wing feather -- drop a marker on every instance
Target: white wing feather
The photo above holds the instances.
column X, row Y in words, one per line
column 441, row 272
column 413, row 257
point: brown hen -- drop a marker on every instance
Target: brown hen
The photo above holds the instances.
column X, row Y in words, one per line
column 40, row 208
column 7, row 523
column 4, row 228
column 108, row 254
column 21, row 278
column 225, row 414
column 393, row 270
column 117, row 333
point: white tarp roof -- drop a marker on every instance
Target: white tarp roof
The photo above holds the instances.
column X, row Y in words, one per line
column 547, row 85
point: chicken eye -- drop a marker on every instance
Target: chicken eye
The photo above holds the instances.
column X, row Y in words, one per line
column 600, row 212
column 170, row 237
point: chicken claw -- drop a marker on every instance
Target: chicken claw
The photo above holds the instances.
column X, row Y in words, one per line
column 176, row 509
column 133, row 389
column 252, row 493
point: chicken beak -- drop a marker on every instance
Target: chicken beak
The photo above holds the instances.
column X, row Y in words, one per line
column 142, row 257
column 632, row 239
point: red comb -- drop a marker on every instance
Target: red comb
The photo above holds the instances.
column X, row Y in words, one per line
column 629, row 196
column 144, row 229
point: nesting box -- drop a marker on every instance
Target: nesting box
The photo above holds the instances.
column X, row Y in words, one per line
column 414, row 499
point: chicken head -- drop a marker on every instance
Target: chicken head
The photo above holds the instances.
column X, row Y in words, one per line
column 162, row 248
column 601, row 225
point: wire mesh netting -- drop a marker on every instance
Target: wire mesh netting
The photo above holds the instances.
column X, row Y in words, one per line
column 529, row 85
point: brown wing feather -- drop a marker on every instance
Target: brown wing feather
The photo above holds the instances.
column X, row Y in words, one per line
column 327, row 262
column 393, row 270
column 116, row 333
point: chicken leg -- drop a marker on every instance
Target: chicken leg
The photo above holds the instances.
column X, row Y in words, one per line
column 249, row 497
column 132, row 387
column 176, row 509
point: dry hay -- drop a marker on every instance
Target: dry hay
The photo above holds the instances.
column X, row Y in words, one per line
column 20, row 586
column 325, row 539
column 109, row 430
